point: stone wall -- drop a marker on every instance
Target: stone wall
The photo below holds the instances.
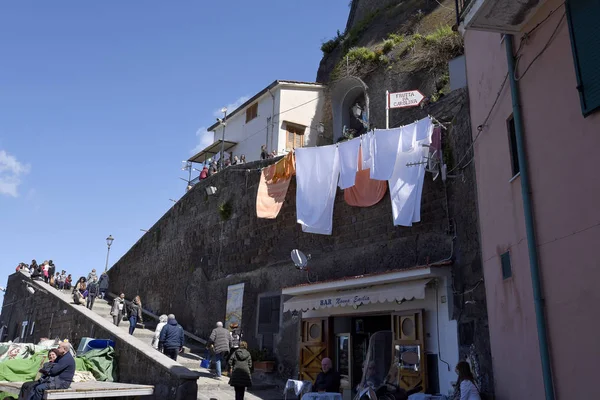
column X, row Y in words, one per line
column 55, row 318
column 360, row 9
column 187, row 259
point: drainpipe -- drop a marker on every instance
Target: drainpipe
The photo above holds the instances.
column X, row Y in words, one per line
column 538, row 300
column 272, row 124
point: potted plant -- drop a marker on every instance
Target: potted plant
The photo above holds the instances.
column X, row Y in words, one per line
column 262, row 360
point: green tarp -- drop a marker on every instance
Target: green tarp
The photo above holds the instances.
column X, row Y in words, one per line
column 100, row 362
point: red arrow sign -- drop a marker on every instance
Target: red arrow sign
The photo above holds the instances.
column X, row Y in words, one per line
column 411, row 98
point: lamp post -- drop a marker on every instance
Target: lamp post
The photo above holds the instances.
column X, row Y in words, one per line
column 224, row 123
column 109, row 241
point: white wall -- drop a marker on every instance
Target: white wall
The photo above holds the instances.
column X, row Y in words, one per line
column 309, row 101
column 448, row 331
column 249, row 136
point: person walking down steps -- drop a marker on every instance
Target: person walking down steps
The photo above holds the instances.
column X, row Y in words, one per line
column 134, row 313
column 93, row 290
column 118, row 308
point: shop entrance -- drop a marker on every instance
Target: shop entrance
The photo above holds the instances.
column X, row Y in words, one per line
column 352, row 334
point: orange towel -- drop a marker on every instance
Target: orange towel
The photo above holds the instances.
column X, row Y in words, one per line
column 271, row 195
column 366, row 192
column 285, row 168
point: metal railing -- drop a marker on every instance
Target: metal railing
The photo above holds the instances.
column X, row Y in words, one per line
column 147, row 313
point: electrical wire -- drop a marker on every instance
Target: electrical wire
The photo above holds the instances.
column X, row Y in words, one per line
column 550, row 40
column 467, row 291
column 282, row 112
column 437, row 324
column 480, row 127
column 524, row 39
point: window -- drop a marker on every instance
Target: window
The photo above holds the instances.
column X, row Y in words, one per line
column 506, row 267
column 251, row 112
column 512, row 142
column 268, row 314
column 585, row 43
column 294, row 136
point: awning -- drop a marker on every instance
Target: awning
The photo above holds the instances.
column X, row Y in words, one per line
column 401, row 291
column 211, row 151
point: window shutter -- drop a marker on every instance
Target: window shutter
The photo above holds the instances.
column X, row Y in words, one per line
column 583, row 17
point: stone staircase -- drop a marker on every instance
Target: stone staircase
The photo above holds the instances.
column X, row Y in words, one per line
column 209, row 388
column 190, row 358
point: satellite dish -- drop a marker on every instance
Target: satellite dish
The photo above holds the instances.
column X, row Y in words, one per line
column 300, row 259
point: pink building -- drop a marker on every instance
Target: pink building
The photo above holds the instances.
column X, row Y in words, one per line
column 556, row 50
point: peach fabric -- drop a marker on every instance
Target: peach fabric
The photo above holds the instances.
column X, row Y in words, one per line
column 366, row 192
column 285, row 168
column 270, row 196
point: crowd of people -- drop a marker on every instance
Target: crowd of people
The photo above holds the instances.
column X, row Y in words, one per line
column 214, row 167
column 86, row 290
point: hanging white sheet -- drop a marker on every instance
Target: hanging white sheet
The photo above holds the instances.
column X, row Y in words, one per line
column 406, row 182
column 317, row 171
column 366, row 141
column 385, row 145
column 348, row 153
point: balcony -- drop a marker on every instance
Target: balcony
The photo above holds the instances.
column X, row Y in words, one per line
column 502, row 16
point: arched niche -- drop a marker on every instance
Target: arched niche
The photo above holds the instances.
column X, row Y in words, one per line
column 344, row 95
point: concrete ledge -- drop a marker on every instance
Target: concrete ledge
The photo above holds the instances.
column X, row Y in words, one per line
column 154, row 316
column 51, row 313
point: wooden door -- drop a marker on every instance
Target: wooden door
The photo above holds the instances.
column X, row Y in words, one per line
column 409, row 349
column 314, row 346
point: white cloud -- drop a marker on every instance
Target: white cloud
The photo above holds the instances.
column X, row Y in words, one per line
column 205, row 138
column 232, row 106
column 11, row 171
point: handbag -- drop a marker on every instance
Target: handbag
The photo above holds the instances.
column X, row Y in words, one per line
column 205, row 363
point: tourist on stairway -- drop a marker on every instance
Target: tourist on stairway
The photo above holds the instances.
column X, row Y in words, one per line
column 134, row 313
column 171, row 338
column 103, row 285
column 93, row 291
column 92, row 275
column 117, row 309
column 241, row 365
column 220, row 343
column 162, row 321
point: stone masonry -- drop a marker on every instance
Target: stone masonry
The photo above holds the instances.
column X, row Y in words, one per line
column 55, row 318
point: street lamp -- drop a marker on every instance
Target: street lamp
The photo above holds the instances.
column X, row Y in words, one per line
column 109, row 241
column 224, row 123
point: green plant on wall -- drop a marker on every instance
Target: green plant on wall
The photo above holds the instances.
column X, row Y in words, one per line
column 225, row 210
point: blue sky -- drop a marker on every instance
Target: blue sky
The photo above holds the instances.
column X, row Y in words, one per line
column 101, row 100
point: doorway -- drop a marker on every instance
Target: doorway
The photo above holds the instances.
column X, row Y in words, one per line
column 352, row 334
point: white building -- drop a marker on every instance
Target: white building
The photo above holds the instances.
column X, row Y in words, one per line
column 283, row 116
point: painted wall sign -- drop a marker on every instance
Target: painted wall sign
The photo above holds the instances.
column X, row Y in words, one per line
column 235, row 303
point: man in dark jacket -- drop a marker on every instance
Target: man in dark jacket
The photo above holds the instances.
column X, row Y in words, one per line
column 171, row 338
column 60, row 375
column 220, row 343
column 93, row 291
column 329, row 379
